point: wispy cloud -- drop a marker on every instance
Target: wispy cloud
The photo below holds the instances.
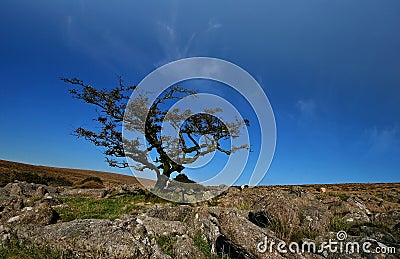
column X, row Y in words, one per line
column 177, row 45
column 169, row 40
column 383, row 140
column 306, row 108
column 69, row 24
column 213, row 25
column 168, row 29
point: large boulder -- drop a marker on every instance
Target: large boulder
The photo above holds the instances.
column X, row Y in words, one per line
column 184, row 248
column 92, row 238
column 41, row 214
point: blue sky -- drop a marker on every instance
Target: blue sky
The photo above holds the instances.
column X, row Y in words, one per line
column 331, row 70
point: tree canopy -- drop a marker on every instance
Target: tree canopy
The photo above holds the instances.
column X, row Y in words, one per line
column 116, row 111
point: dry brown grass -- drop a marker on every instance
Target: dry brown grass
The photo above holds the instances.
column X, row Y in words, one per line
column 74, row 175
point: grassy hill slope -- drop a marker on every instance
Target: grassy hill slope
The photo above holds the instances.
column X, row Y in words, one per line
column 10, row 171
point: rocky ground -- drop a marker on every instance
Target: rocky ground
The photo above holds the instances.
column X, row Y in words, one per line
column 127, row 222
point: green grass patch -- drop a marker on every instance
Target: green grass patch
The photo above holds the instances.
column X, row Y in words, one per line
column 105, row 208
column 152, row 198
column 31, row 202
column 339, row 224
column 243, row 205
column 14, row 249
column 205, row 247
column 166, row 243
column 97, row 208
column 387, row 197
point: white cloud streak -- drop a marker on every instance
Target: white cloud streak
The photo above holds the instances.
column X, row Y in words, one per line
column 383, row 140
column 307, row 108
column 177, row 46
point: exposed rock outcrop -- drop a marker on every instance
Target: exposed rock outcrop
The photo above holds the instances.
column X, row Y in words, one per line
column 240, row 224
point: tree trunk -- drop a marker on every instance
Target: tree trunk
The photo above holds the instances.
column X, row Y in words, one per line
column 163, row 178
column 161, row 182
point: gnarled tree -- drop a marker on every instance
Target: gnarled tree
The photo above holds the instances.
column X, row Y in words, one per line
column 116, row 110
